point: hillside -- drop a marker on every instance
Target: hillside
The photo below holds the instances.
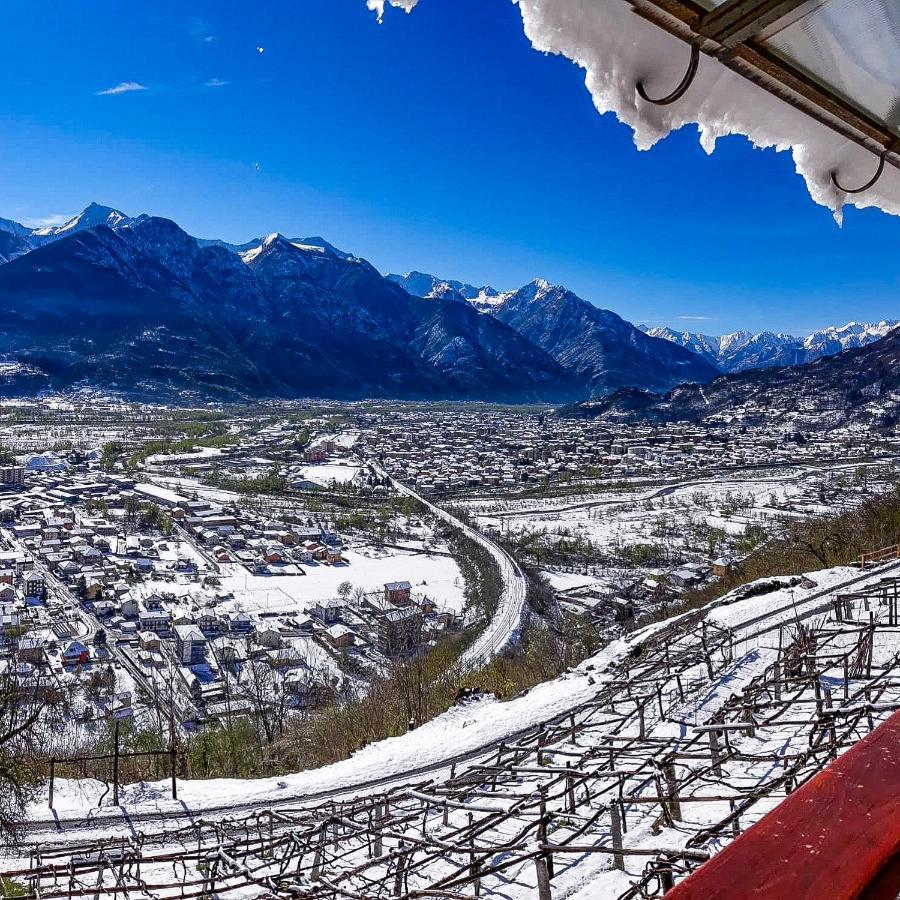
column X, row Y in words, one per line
column 861, row 385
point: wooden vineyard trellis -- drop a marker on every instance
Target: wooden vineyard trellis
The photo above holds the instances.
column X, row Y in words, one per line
column 879, row 557
column 171, row 756
column 569, row 793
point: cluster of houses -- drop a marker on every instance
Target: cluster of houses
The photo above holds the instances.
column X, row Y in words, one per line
column 152, row 600
column 499, row 452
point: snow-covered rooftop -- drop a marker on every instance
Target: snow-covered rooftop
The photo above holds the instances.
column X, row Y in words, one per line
column 843, row 51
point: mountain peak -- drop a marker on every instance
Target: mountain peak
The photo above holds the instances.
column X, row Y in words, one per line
column 93, row 215
column 421, row 284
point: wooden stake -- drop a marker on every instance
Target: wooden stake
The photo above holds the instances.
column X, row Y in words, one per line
column 543, row 878
column 116, row 764
column 616, row 828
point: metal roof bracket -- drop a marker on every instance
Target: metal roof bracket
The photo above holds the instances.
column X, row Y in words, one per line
column 882, row 158
column 683, row 85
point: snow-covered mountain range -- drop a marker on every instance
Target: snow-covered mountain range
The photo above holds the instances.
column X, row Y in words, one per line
column 601, row 349
column 138, row 304
column 420, row 284
column 16, row 240
column 742, row 350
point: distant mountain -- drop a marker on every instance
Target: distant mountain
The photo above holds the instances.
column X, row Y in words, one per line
column 16, row 240
column 600, row 349
column 91, row 217
column 319, row 242
column 744, row 350
column 140, row 306
column 420, row 284
column 859, row 385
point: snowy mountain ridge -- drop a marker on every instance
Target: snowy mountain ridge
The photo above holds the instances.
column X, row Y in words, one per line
column 743, row 350
column 421, row 284
column 602, row 350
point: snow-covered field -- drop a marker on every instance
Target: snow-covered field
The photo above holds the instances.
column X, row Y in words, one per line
column 433, row 575
column 329, row 473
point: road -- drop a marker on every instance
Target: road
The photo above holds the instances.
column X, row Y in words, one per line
column 798, row 471
column 511, row 612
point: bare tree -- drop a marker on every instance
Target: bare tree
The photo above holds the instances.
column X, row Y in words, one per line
column 27, row 707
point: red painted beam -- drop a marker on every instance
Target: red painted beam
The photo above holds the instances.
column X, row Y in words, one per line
column 835, row 838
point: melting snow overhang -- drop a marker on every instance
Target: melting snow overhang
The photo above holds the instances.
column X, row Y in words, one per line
column 835, row 60
column 819, row 77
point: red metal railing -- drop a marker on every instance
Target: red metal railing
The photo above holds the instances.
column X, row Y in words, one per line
column 835, row 838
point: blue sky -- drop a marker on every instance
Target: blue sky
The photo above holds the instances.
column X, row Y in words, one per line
column 438, row 141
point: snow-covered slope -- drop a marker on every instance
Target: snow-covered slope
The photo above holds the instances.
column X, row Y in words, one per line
column 420, row 284
column 742, row 350
column 600, row 349
column 92, row 216
column 140, row 306
column 16, row 240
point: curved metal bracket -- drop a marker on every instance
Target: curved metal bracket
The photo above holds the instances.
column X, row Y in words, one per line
column 882, row 158
column 683, row 85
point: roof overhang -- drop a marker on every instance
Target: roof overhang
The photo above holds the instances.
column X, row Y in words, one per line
column 748, row 36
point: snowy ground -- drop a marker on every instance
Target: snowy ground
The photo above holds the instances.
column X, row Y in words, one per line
column 329, row 473
column 436, row 576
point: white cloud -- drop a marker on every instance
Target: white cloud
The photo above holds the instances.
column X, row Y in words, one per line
column 47, row 221
column 124, row 87
column 200, row 31
column 696, row 318
column 216, row 83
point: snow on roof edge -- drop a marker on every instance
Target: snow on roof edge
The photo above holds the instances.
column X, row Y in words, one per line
column 617, row 48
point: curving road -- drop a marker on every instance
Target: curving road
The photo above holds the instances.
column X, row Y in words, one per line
column 511, row 613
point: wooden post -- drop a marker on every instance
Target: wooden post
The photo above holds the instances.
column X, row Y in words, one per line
column 846, row 677
column 542, row 829
column 706, row 654
column 52, row 776
column 672, row 785
column 173, row 757
column 378, row 821
column 543, row 878
column 398, row 877
column 474, row 868
column 116, row 764
column 735, row 822
column 871, row 645
column 748, row 714
column 714, row 752
column 320, row 846
column 570, row 787
column 616, row 829
column 642, row 728
column 667, row 882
